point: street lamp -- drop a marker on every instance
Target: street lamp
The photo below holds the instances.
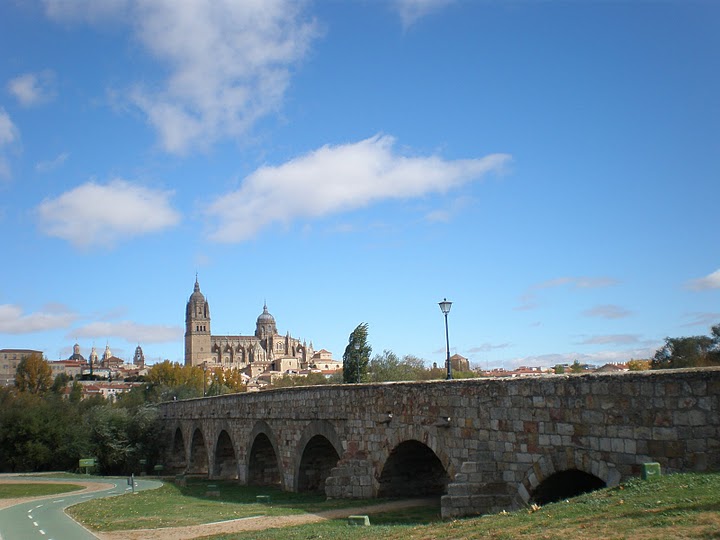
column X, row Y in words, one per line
column 445, row 308
column 204, row 377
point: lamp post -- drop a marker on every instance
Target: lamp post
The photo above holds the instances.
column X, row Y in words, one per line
column 204, row 378
column 445, row 308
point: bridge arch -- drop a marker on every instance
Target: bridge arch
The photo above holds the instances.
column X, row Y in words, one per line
column 198, row 462
column 565, row 474
column 415, row 433
column 412, row 469
column 225, row 462
column 263, row 464
column 319, row 449
column 177, row 462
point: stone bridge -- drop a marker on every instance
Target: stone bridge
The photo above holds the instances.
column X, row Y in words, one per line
column 481, row 445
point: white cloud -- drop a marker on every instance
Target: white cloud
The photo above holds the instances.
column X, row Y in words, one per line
column 129, row 331
column 46, row 166
column 711, row 281
column 614, row 339
column 228, row 62
column 13, row 321
column 8, row 135
column 412, row 10
column 529, row 300
column 487, row 347
column 94, row 214
column 607, row 311
column 336, row 178
column 33, row 88
column 703, row 319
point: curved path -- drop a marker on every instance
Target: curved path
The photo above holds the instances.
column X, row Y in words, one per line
column 45, row 518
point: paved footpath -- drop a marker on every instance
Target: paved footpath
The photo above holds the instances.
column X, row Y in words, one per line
column 45, row 518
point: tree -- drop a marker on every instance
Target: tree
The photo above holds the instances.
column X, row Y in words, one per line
column 638, row 365
column 559, row 369
column 33, row 374
column 693, row 351
column 576, row 367
column 389, row 367
column 357, row 355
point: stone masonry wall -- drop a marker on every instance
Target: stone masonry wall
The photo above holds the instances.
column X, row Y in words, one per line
column 497, row 439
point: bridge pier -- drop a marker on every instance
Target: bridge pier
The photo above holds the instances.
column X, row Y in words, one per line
column 351, row 479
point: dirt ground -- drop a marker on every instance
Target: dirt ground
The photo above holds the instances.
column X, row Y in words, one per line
column 252, row 524
column 223, row 527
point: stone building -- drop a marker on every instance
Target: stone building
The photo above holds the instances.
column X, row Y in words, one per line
column 266, row 350
column 9, row 360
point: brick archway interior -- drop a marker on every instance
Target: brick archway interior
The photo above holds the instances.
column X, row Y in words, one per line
column 263, row 467
column 318, row 459
column 225, row 461
column 412, row 470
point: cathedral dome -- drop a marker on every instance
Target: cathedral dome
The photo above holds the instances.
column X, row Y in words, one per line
column 265, row 317
column 197, row 296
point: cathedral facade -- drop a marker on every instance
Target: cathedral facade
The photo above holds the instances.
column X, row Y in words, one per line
column 266, row 350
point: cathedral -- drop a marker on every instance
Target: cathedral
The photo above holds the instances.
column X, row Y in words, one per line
column 265, row 351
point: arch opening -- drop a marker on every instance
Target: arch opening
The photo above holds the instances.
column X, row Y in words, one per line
column 198, row 454
column 225, row 461
column 177, row 454
column 565, row 484
column 413, row 470
column 318, row 459
column 263, row 467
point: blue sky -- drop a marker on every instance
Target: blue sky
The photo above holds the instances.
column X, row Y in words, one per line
column 550, row 167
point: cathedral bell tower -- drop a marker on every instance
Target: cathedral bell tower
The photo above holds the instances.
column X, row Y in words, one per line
column 197, row 329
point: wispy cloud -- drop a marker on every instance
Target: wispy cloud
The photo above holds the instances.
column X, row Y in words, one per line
column 129, row 331
column 50, row 165
column 96, row 214
column 229, row 62
column 14, row 321
column 599, row 358
column 706, row 319
column 32, row 89
column 528, row 300
column 611, row 339
column 9, row 134
column 711, row 281
column 337, row 178
column 443, row 215
column 607, row 311
column 488, row 347
column 413, row 10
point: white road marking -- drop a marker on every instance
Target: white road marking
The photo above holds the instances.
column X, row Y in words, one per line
column 42, row 532
column 59, row 500
column 35, row 523
column 29, row 516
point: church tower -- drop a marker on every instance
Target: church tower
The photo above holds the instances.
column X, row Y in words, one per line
column 197, row 328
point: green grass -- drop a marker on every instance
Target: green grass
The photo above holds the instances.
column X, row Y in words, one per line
column 176, row 506
column 16, row 491
column 682, row 506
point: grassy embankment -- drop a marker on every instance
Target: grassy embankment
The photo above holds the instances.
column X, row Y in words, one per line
column 671, row 507
column 17, row 491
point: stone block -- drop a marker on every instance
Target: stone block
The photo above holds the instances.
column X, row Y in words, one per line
column 359, row 521
column 650, row 470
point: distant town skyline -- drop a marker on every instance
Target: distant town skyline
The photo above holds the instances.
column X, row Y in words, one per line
column 549, row 167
